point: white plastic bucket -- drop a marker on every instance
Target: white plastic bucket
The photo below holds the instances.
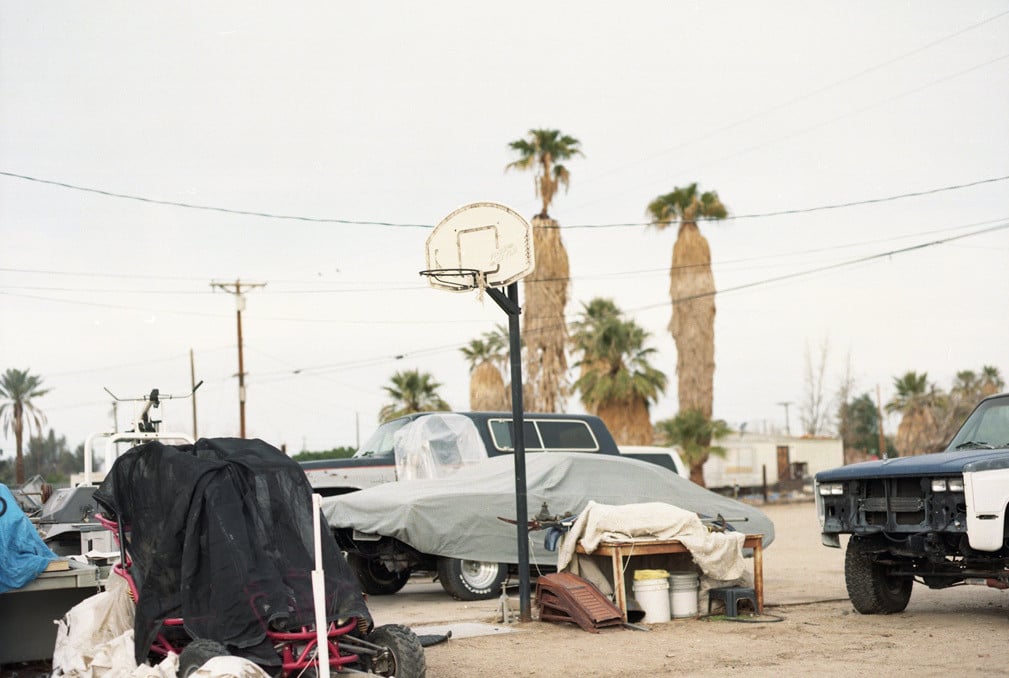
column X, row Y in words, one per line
column 683, row 594
column 653, row 597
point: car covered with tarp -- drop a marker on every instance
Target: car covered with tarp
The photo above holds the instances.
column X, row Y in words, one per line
column 456, row 523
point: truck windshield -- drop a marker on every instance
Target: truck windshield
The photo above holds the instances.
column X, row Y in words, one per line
column 380, row 442
column 986, row 427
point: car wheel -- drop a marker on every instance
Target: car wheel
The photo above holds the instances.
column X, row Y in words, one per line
column 403, row 655
column 198, row 653
column 471, row 579
column 375, row 578
column 871, row 587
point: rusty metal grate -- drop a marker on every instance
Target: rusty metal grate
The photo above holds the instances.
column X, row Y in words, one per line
column 566, row 597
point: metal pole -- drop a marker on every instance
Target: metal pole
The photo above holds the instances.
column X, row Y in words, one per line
column 192, row 383
column 241, row 365
column 882, row 438
column 788, row 429
column 521, row 508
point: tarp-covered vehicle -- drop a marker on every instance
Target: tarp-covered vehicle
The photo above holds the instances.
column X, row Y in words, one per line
column 220, row 546
column 451, row 523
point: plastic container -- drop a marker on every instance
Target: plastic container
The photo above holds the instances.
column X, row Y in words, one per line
column 683, row 594
column 651, row 591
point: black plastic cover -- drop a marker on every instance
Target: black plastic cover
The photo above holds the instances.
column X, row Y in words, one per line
column 221, row 535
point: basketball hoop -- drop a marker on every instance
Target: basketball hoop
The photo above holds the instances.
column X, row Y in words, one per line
column 486, row 246
column 480, row 245
column 456, row 279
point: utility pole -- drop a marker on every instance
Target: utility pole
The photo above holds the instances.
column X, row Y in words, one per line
column 882, row 438
column 788, row 430
column 235, row 288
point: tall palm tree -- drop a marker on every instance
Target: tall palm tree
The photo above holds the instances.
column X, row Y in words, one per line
column 693, row 432
column 412, row 391
column 546, row 289
column 617, row 382
column 692, row 291
column 919, row 431
column 18, row 388
column 991, row 380
column 487, row 392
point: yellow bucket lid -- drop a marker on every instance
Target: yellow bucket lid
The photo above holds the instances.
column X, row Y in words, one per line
column 650, row 574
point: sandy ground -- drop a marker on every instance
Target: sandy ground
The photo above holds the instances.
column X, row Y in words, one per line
column 809, row 628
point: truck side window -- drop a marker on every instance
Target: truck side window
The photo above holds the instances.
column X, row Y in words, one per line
column 567, row 435
column 501, row 432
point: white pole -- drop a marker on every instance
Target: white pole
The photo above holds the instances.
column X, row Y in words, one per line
column 319, row 592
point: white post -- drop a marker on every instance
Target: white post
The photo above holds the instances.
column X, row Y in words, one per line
column 319, row 592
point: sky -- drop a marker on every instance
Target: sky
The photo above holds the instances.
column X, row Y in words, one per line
column 862, row 149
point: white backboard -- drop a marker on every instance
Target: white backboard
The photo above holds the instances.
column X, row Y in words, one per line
column 492, row 241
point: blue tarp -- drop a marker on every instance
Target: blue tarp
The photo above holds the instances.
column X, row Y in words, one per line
column 23, row 554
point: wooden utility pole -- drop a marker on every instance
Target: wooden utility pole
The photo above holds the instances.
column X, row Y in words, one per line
column 235, row 288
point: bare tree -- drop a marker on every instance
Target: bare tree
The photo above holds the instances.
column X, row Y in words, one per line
column 814, row 407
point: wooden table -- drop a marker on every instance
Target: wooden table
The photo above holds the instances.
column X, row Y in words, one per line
column 618, row 550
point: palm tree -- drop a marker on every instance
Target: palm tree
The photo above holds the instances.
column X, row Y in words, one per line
column 991, row 381
column 693, row 432
column 919, row 431
column 17, row 390
column 487, row 392
column 546, row 289
column 692, row 291
column 412, row 391
column 617, row 383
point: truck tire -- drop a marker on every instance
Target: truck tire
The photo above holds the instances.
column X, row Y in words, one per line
column 375, row 578
column 471, row 579
column 405, row 656
column 871, row 588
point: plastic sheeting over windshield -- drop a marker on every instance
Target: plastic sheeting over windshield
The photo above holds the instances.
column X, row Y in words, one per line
column 436, row 446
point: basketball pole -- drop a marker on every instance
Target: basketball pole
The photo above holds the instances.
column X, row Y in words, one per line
column 510, row 305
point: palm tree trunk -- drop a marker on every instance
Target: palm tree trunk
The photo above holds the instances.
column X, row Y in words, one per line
column 19, row 459
column 545, row 331
column 487, row 392
column 628, row 420
column 691, row 288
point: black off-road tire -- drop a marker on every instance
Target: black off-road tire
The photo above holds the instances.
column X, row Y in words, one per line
column 405, row 656
column 471, row 579
column 198, row 653
column 375, row 578
column 871, row 588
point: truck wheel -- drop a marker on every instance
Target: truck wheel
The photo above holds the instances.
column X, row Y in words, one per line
column 198, row 653
column 471, row 579
column 404, row 655
column 375, row 578
column 871, row 588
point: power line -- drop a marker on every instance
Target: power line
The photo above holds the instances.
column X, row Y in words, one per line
column 356, row 364
column 796, row 99
column 807, row 210
column 210, row 208
column 349, row 222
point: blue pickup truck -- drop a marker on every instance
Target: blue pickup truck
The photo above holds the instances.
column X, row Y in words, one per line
column 938, row 519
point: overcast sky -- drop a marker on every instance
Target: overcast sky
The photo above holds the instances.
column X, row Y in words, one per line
column 399, row 112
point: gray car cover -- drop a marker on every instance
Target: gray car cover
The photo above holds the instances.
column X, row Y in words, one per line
column 458, row 516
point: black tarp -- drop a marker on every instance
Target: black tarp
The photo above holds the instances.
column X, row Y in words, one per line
column 221, row 535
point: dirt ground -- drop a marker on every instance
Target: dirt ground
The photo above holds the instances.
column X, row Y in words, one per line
column 809, row 627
